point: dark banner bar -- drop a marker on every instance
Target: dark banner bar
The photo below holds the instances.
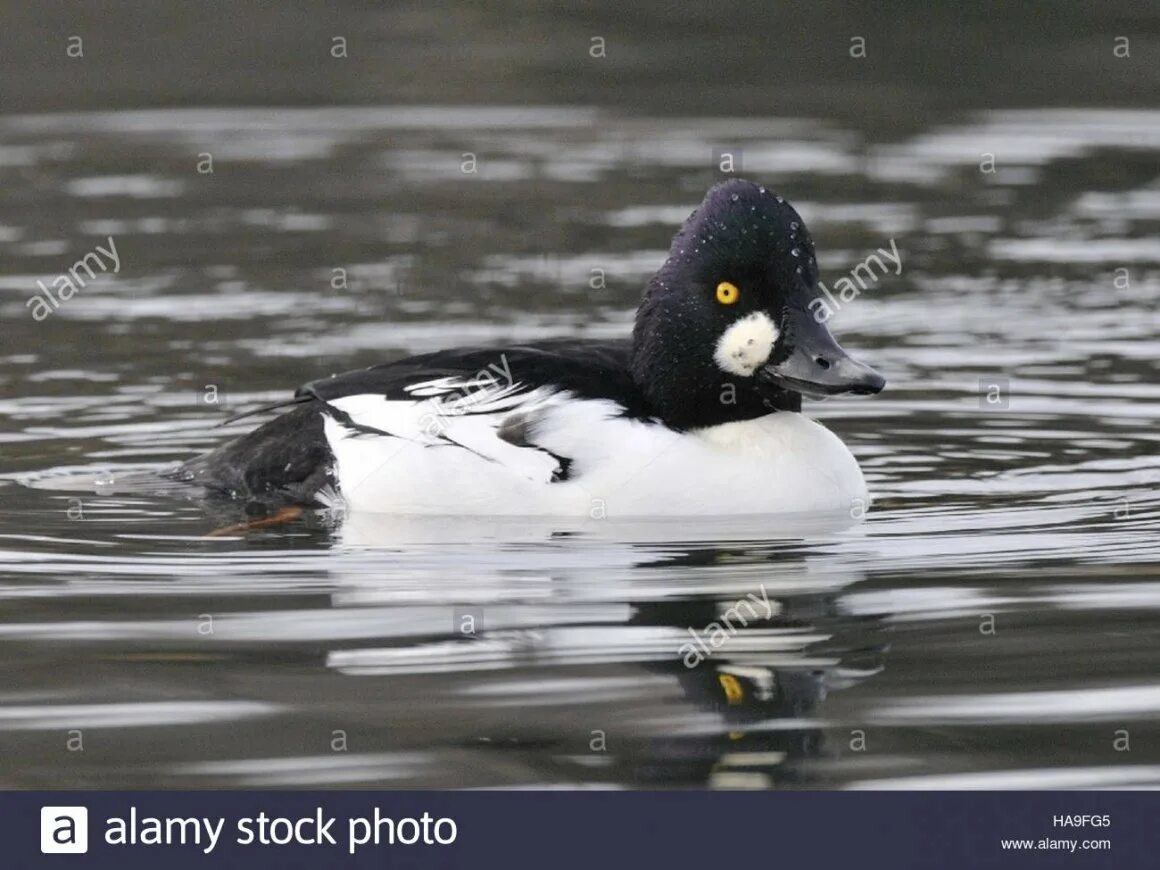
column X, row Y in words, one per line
column 590, row 830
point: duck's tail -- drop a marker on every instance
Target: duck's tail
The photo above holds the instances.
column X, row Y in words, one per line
column 285, row 461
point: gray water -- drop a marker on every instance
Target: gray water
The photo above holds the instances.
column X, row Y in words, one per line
column 991, row 621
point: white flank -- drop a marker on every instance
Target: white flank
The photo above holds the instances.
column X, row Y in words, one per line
column 444, row 456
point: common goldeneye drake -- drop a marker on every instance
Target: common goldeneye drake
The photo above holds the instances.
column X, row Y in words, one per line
column 697, row 414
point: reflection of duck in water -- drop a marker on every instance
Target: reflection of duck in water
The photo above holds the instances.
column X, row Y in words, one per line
column 593, row 642
column 761, row 678
column 698, row 413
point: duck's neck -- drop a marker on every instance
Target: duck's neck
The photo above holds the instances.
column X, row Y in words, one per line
column 683, row 386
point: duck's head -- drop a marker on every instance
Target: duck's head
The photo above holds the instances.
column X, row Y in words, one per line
column 725, row 331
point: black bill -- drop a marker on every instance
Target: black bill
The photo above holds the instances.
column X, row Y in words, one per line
column 816, row 365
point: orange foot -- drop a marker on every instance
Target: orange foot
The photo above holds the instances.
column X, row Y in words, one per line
column 285, row 515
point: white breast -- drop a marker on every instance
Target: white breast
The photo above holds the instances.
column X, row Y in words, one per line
column 458, row 465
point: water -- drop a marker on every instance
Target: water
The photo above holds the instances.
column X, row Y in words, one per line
column 991, row 623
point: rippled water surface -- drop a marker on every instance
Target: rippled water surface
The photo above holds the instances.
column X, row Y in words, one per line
column 992, row 622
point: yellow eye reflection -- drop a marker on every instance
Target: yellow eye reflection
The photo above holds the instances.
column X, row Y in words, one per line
column 734, row 694
column 727, row 293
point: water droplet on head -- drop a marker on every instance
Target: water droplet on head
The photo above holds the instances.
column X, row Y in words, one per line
column 763, row 191
column 734, row 198
column 796, row 252
column 780, row 199
column 793, row 225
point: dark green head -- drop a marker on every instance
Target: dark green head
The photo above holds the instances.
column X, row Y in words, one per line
column 724, row 331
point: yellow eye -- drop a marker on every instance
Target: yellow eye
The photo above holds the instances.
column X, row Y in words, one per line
column 727, row 293
column 734, row 694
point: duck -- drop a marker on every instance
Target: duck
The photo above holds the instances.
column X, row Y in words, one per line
column 697, row 413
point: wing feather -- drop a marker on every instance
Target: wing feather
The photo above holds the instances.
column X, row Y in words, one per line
column 450, row 417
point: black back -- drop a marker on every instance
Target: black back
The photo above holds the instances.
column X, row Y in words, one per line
column 587, row 368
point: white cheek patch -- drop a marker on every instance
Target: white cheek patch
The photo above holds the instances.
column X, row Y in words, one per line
column 746, row 344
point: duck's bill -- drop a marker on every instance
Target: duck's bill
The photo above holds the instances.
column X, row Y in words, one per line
column 817, row 366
